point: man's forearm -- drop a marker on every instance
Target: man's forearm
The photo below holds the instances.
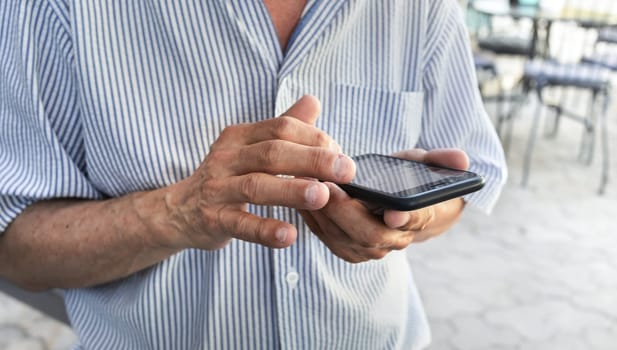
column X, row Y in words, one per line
column 77, row 243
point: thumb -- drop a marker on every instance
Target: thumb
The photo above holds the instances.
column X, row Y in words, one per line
column 306, row 109
column 447, row 157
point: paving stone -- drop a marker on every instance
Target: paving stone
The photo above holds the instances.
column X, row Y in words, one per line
column 34, row 328
column 544, row 319
column 442, row 333
column 601, row 339
column 473, row 332
column 602, row 302
column 57, row 335
column 443, row 303
column 27, row 344
column 12, row 310
column 562, row 342
column 9, row 334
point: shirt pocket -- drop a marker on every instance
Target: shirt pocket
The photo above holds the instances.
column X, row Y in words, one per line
column 369, row 120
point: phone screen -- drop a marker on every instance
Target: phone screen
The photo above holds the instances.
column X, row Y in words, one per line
column 401, row 177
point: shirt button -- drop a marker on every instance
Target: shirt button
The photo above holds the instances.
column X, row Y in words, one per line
column 292, row 278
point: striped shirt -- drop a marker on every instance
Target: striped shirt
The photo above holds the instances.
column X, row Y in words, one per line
column 102, row 98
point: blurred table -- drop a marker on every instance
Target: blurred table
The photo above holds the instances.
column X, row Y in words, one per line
column 543, row 18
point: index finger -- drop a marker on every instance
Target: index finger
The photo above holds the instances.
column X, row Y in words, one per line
column 306, row 109
column 282, row 128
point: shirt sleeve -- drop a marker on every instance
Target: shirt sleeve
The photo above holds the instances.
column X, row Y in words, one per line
column 454, row 115
column 42, row 154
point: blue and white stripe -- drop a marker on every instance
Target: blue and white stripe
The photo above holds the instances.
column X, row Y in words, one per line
column 103, row 98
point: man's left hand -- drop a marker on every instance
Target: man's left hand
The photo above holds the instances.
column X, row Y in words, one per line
column 354, row 234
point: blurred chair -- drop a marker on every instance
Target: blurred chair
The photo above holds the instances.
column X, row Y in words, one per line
column 573, row 74
column 485, row 68
column 488, row 75
column 504, row 44
column 606, row 60
column 511, row 40
column 485, row 64
column 542, row 74
column 607, row 35
column 499, row 40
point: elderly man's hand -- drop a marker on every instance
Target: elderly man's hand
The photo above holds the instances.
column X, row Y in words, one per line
column 354, row 234
column 209, row 208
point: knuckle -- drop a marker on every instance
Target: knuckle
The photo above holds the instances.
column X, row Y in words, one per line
column 367, row 245
column 216, row 145
column 211, row 219
column 351, row 258
column 378, row 254
column 284, row 127
column 221, row 226
column 356, row 255
column 241, row 224
column 218, row 156
column 210, row 190
column 415, row 221
column 271, row 153
column 345, row 255
column 373, row 238
column 414, row 217
column 321, row 139
column 420, row 219
column 321, row 160
column 230, row 131
column 401, row 244
column 218, row 163
column 261, row 233
column 249, row 187
column 290, row 192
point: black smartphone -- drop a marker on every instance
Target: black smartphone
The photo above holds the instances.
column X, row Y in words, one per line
column 385, row 182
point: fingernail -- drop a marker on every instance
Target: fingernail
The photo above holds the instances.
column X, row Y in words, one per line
column 281, row 235
column 342, row 166
column 311, row 194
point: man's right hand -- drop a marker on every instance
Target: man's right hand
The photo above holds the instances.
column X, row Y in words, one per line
column 208, row 208
column 81, row 243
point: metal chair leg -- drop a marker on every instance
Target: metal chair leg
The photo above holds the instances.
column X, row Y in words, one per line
column 589, row 132
column 605, row 146
column 505, row 122
column 507, row 125
column 501, row 115
column 552, row 133
column 533, row 134
column 499, row 106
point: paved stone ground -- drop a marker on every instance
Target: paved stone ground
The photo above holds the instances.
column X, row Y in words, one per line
column 539, row 273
